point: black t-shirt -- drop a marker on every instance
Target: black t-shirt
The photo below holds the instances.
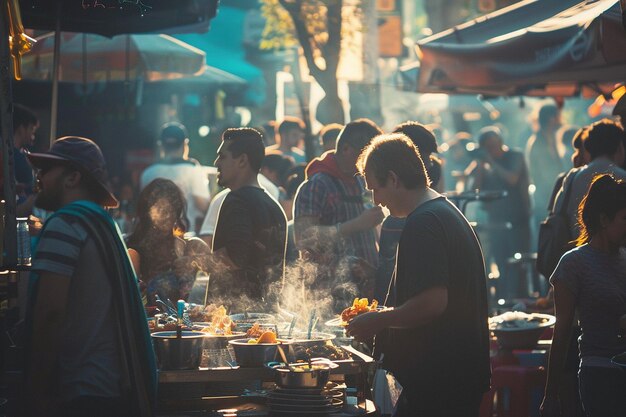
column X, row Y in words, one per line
column 252, row 227
column 439, row 248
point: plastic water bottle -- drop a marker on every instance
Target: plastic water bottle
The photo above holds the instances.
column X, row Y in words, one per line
column 23, row 242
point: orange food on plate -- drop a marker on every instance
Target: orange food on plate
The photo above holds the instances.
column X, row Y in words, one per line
column 359, row 306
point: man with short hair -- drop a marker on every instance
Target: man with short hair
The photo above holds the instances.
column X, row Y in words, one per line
column 290, row 134
column 251, row 231
column 604, row 141
column 332, row 220
column 436, row 339
column 329, row 134
column 186, row 173
column 89, row 351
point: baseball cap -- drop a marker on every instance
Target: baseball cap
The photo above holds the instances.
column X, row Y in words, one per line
column 85, row 155
column 173, row 135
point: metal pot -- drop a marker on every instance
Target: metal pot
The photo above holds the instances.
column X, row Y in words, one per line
column 174, row 353
column 302, row 376
column 316, row 339
column 253, row 354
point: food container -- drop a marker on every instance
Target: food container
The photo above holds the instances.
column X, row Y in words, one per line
column 250, row 355
column 174, row 353
column 302, row 376
column 220, row 341
column 245, row 321
column 317, row 338
column 510, row 335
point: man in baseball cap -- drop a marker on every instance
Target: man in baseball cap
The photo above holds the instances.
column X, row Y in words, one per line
column 73, row 169
column 88, row 351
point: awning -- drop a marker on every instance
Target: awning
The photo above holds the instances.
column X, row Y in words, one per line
column 113, row 17
column 225, row 50
column 535, row 47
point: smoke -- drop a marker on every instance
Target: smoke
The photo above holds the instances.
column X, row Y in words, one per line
column 162, row 215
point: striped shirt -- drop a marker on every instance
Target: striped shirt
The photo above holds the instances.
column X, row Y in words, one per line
column 332, row 200
column 88, row 358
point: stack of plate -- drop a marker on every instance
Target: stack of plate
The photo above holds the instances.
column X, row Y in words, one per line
column 306, row 401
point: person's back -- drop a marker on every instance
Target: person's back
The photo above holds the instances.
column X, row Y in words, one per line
column 183, row 171
column 604, row 143
column 437, row 241
column 188, row 177
column 544, row 162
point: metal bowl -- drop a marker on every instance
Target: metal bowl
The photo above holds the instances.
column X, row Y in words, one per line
column 523, row 337
column 250, row 355
column 252, row 318
column 220, row 341
column 302, row 376
column 175, row 353
column 317, row 338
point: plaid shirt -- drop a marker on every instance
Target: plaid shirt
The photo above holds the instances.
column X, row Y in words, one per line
column 333, row 200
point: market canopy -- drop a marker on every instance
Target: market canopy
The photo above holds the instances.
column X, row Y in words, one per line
column 91, row 58
column 225, row 50
column 114, row 17
column 535, row 47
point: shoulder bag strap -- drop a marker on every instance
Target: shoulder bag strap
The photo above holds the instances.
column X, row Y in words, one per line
column 568, row 191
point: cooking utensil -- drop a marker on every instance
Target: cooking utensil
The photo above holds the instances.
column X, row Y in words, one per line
column 166, row 308
column 311, row 322
column 292, row 325
column 253, row 354
column 281, row 352
column 509, row 336
column 313, row 339
column 178, row 353
column 302, row 376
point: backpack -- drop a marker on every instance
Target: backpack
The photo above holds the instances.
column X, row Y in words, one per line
column 554, row 236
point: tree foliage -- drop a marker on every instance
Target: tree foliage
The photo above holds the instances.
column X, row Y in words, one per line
column 321, row 27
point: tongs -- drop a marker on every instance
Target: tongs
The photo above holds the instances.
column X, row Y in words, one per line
column 172, row 311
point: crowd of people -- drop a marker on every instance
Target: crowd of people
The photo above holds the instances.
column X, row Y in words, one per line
column 368, row 214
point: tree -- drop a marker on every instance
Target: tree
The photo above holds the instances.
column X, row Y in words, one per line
column 317, row 26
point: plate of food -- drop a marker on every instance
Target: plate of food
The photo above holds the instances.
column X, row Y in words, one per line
column 359, row 306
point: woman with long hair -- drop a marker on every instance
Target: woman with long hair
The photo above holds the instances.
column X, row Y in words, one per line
column 162, row 258
column 590, row 280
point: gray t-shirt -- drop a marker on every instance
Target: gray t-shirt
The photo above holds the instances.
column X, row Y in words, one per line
column 580, row 180
column 598, row 281
column 89, row 358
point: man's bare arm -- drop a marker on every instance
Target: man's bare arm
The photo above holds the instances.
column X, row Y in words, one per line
column 421, row 309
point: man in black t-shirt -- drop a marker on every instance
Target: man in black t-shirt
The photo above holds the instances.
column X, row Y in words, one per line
column 436, row 339
column 251, row 234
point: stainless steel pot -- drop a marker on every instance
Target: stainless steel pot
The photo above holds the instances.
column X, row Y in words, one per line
column 302, row 376
column 253, row 354
column 174, row 353
column 316, row 339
